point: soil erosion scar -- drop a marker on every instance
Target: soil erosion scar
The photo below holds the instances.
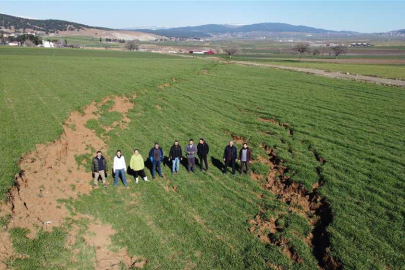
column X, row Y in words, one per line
column 50, row 173
column 308, row 204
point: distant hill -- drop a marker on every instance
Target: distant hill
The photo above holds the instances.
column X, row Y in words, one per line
column 56, row 28
column 209, row 30
column 8, row 22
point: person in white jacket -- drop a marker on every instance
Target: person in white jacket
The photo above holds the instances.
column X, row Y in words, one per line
column 119, row 169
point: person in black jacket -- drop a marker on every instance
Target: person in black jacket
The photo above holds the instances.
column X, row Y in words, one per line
column 230, row 156
column 175, row 155
column 203, row 150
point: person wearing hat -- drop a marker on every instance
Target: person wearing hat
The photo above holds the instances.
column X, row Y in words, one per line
column 191, row 151
column 156, row 157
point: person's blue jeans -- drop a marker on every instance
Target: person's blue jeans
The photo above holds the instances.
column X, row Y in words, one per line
column 156, row 163
column 176, row 165
column 117, row 174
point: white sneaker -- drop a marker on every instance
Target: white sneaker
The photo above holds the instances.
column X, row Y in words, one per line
column 146, row 179
column 136, row 180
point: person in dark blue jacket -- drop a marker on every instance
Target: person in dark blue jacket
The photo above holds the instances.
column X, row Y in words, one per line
column 230, row 156
column 156, row 157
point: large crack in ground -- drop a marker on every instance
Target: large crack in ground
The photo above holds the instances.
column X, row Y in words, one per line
column 308, row 204
column 51, row 174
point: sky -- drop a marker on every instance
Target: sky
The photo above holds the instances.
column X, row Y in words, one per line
column 361, row 16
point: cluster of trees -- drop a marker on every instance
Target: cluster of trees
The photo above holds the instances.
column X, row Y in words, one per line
column 114, row 40
column 303, row 48
column 26, row 39
column 132, row 45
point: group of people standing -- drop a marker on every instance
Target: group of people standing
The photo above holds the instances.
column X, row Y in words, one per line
column 99, row 165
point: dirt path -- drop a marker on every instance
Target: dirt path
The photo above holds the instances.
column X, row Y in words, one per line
column 318, row 72
column 51, row 173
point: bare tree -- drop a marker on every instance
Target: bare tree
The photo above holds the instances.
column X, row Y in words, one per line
column 218, row 49
column 132, row 45
column 29, row 43
column 301, row 48
column 316, row 51
column 338, row 50
column 232, row 50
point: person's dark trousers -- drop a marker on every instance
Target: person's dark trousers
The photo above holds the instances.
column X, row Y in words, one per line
column 232, row 163
column 203, row 158
column 156, row 163
column 244, row 164
column 191, row 164
column 141, row 173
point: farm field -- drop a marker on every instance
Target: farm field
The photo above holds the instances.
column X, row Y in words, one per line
column 326, row 191
column 363, row 66
column 86, row 41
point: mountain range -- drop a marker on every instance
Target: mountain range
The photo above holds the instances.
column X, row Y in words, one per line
column 209, row 30
column 10, row 23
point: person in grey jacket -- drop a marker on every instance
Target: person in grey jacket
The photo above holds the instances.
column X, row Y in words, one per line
column 191, row 151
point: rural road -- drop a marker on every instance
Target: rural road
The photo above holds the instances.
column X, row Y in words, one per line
column 324, row 73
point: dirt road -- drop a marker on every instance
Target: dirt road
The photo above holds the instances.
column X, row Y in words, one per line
column 324, row 73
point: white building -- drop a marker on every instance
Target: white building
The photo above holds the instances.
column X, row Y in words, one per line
column 14, row 43
column 48, row 44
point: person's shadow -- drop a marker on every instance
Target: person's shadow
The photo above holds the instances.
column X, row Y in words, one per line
column 217, row 163
column 166, row 162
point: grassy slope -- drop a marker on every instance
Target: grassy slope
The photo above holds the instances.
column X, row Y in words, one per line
column 356, row 127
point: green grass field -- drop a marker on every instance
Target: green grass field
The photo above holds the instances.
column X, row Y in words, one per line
column 390, row 71
column 86, row 41
column 357, row 128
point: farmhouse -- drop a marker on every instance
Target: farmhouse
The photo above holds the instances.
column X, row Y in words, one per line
column 48, row 44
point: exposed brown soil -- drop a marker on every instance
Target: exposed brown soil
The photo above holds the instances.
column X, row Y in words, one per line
column 170, row 188
column 100, row 239
column 238, row 139
column 308, row 204
column 164, row 85
column 50, row 173
column 114, row 34
column 159, row 108
column 277, row 123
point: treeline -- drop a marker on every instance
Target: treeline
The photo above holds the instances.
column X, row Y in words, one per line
column 22, row 39
column 114, row 40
